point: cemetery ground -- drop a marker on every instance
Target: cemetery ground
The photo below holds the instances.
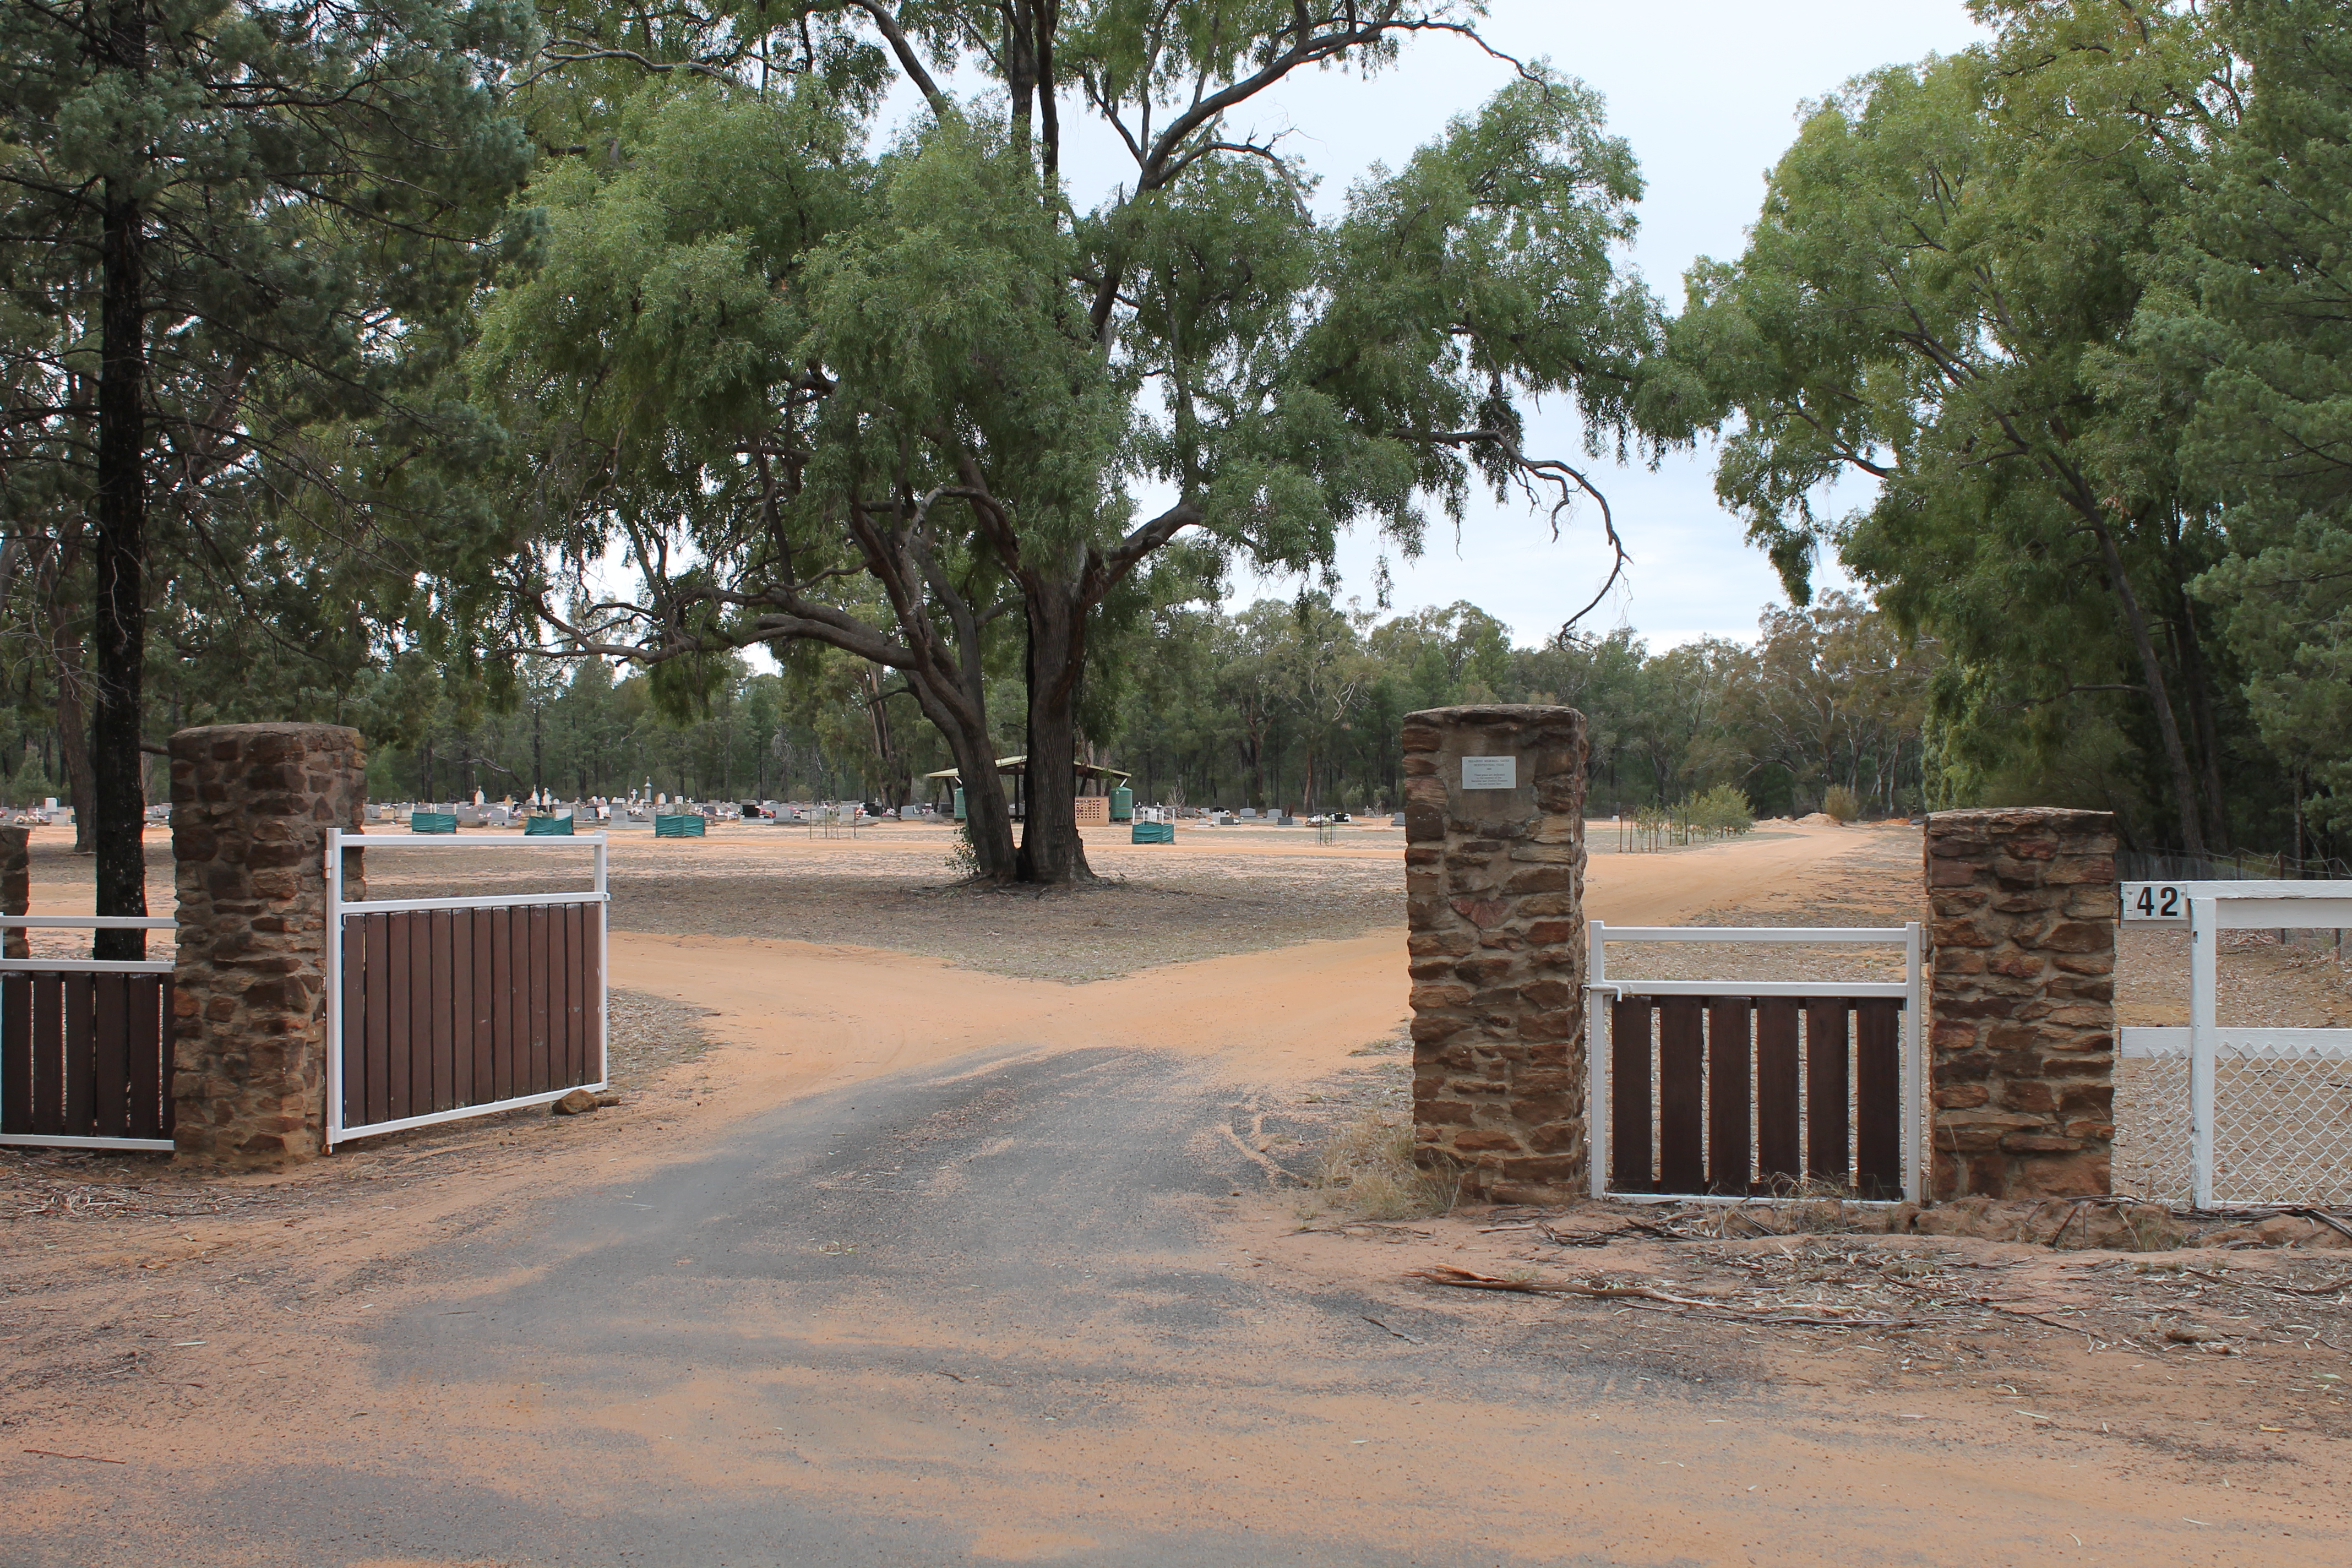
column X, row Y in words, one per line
column 941, row 1225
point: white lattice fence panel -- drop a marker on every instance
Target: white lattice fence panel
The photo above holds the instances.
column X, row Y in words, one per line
column 2152, row 1153
column 2282, row 1123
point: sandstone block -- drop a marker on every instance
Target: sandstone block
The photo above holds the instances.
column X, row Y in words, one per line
column 1511, row 845
column 2022, row 912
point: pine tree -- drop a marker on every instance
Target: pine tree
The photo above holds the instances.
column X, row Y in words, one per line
column 211, row 204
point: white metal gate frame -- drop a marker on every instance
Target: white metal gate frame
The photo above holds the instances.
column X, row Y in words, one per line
column 337, row 842
column 2208, row 908
column 1910, row 990
column 90, row 966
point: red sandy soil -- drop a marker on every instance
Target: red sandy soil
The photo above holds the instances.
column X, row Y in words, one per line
column 211, row 1331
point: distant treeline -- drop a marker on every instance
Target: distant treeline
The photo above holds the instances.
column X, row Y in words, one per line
column 1294, row 704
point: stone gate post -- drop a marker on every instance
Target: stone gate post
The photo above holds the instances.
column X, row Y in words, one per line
column 16, row 887
column 2021, row 1018
column 1495, row 888
column 251, row 805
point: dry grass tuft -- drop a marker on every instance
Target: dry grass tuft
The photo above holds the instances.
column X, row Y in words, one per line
column 1798, row 1206
column 1368, row 1169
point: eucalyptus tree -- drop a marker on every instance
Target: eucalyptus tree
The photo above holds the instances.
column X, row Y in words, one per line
column 766, row 358
column 207, row 202
column 1942, row 262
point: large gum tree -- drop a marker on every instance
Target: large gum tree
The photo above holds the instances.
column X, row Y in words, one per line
column 907, row 400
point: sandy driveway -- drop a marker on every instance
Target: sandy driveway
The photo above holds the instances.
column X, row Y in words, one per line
column 808, row 1015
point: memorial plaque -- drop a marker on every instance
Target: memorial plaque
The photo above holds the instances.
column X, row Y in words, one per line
column 1490, row 773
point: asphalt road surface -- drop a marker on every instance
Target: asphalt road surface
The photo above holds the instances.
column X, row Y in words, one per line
column 1022, row 1307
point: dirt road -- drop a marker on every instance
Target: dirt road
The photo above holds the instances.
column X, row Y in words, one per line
column 955, row 1266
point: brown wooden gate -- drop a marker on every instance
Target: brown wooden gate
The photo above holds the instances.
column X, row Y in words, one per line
column 85, row 1055
column 1731, row 1088
column 1742, row 1096
column 449, row 1011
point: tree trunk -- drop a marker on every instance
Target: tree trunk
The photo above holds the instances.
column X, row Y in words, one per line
column 897, row 786
column 2198, row 677
column 1051, row 849
column 73, row 732
column 987, row 814
column 2153, row 673
column 120, row 630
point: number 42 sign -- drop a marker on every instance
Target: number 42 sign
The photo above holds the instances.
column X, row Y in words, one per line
column 2159, row 901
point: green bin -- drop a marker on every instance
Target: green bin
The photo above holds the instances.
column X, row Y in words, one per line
column 686, row 826
column 432, row 822
column 1153, row 832
column 1122, row 804
column 958, row 803
column 547, row 826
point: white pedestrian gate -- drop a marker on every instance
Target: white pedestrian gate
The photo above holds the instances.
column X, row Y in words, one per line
column 1724, row 1089
column 2268, row 1111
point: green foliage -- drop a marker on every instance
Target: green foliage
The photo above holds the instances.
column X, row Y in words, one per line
column 1300, row 705
column 1839, row 804
column 1723, row 811
column 1291, row 703
column 316, row 196
column 764, row 358
column 962, row 859
column 1654, row 827
column 2249, row 312
column 1942, row 262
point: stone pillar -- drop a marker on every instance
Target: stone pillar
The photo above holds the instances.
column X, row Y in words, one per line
column 1495, row 888
column 251, row 805
column 16, row 887
column 2021, row 1018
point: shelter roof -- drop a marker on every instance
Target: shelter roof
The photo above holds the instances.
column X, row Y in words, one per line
column 1020, row 765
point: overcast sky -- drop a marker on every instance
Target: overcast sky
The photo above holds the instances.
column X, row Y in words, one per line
column 1707, row 93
